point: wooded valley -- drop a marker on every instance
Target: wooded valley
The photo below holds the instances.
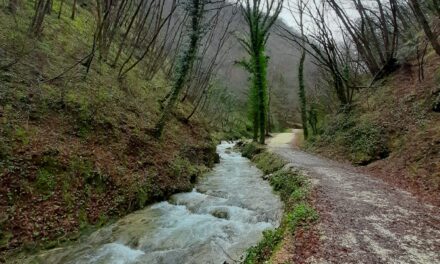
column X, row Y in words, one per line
column 110, row 106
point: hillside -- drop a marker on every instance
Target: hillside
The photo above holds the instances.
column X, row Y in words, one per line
column 394, row 133
column 76, row 151
column 199, row 131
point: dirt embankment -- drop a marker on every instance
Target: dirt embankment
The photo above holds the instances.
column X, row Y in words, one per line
column 76, row 150
column 56, row 184
column 393, row 132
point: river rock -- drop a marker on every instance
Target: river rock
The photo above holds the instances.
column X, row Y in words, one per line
column 267, row 176
column 220, row 214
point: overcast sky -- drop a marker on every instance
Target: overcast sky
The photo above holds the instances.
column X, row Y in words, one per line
column 288, row 13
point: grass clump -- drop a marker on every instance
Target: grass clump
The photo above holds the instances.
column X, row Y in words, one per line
column 289, row 184
column 268, row 162
column 301, row 215
column 45, row 181
column 261, row 252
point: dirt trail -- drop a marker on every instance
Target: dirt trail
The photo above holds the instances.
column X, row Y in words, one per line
column 363, row 219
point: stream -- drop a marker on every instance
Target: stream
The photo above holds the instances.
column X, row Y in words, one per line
column 223, row 216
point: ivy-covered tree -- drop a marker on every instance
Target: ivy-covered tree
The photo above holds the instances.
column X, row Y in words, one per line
column 259, row 16
column 196, row 11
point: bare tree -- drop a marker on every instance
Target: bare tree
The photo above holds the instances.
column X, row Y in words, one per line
column 421, row 18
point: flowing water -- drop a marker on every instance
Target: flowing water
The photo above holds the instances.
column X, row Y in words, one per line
column 215, row 223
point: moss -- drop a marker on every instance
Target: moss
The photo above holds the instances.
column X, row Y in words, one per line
column 142, row 196
column 5, row 237
column 287, row 182
column 268, row 162
column 249, row 150
column 22, row 135
column 366, row 143
column 358, row 138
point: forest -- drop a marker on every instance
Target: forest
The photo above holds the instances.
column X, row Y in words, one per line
column 116, row 109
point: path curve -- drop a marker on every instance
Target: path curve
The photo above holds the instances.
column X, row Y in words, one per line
column 362, row 218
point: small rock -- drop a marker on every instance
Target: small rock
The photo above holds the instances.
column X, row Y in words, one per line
column 220, row 214
column 288, row 166
column 267, row 176
column 216, row 158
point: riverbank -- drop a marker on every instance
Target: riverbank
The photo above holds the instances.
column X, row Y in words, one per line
column 297, row 229
column 76, row 149
column 217, row 221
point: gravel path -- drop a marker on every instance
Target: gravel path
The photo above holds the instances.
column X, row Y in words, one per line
column 363, row 219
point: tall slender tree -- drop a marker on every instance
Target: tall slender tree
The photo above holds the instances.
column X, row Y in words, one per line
column 196, row 11
column 259, row 16
column 302, row 86
column 36, row 26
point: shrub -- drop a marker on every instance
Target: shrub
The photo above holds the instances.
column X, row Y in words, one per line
column 366, row 143
column 249, row 150
column 22, row 135
column 45, row 181
column 182, row 167
column 302, row 215
column 263, row 251
column 363, row 141
column 287, row 182
column 142, row 196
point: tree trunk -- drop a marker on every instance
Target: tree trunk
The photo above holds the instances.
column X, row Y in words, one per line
column 425, row 25
column 13, row 6
column 73, row 10
column 61, row 9
column 302, row 94
column 255, row 127
column 436, row 4
column 38, row 19
column 260, row 84
column 186, row 63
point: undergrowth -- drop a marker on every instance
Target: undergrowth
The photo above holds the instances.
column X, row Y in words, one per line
column 362, row 140
column 78, row 146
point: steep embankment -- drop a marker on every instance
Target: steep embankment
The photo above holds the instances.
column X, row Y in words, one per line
column 395, row 131
column 77, row 150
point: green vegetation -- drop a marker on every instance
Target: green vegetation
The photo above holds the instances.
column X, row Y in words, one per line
column 75, row 137
column 196, row 12
column 363, row 138
column 268, row 162
column 259, row 18
column 262, row 252
column 301, row 215
column 45, row 181
column 293, row 188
